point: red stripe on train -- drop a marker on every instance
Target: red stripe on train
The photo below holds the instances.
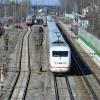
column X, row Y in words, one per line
column 57, row 67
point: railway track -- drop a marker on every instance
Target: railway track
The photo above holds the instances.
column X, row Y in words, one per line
column 63, row 90
column 56, row 88
column 69, row 88
column 20, row 86
column 81, row 67
column 93, row 87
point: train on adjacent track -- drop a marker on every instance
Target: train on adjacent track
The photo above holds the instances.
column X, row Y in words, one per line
column 29, row 20
column 59, row 50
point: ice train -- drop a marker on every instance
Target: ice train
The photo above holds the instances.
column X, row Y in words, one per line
column 59, row 51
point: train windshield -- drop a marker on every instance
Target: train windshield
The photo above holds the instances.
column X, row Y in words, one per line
column 59, row 53
column 29, row 17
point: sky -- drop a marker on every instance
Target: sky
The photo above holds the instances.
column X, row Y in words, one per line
column 40, row 2
column 45, row 2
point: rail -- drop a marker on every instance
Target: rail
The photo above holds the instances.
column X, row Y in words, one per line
column 56, row 88
column 69, row 88
column 19, row 72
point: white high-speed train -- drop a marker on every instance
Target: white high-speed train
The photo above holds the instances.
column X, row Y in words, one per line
column 59, row 51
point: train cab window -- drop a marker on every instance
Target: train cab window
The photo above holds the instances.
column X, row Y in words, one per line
column 59, row 53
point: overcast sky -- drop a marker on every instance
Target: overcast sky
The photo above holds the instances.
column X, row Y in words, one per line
column 45, row 2
column 40, row 2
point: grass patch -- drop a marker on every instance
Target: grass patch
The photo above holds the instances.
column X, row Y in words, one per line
column 90, row 45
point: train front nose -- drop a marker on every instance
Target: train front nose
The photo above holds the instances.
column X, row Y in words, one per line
column 59, row 66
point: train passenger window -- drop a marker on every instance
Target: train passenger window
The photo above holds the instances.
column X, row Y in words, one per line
column 59, row 53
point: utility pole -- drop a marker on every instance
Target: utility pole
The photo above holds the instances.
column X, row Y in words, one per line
column 13, row 3
column 15, row 9
column 13, row 14
column 5, row 8
column 1, row 77
column 43, row 3
column 65, row 6
column 28, row 7
column 5, row 35
column 36, row 7
column 21, row 11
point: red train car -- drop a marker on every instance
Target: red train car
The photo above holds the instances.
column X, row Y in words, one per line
column 29, row 21
column 1, row 30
